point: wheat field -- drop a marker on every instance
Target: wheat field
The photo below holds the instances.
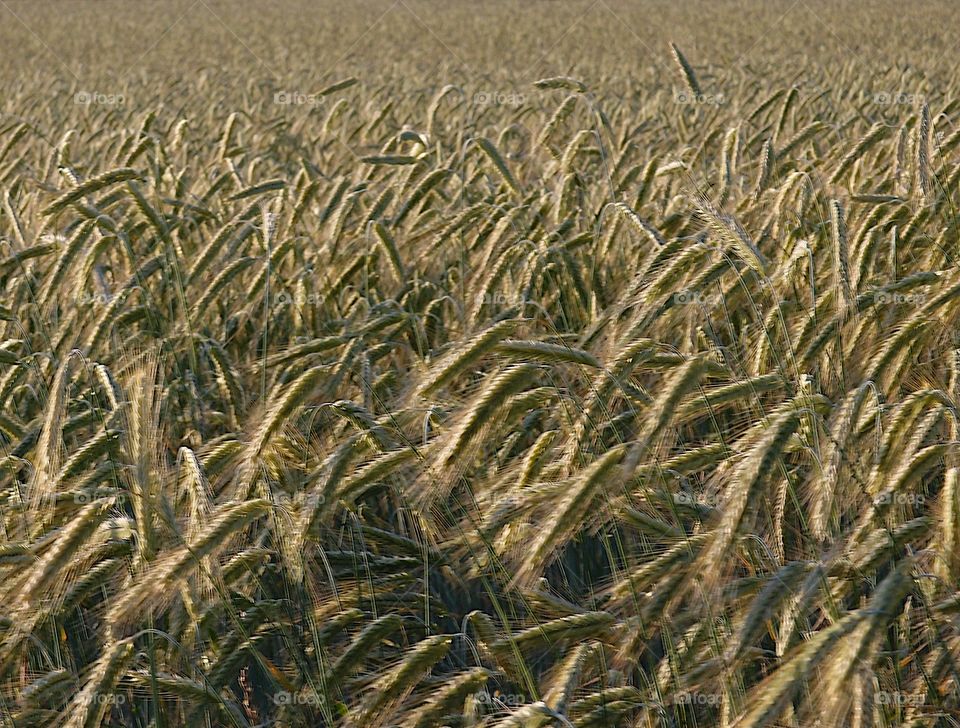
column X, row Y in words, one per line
column 557, row 363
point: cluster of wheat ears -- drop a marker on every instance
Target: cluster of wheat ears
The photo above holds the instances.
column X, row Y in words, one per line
column 374, row 408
